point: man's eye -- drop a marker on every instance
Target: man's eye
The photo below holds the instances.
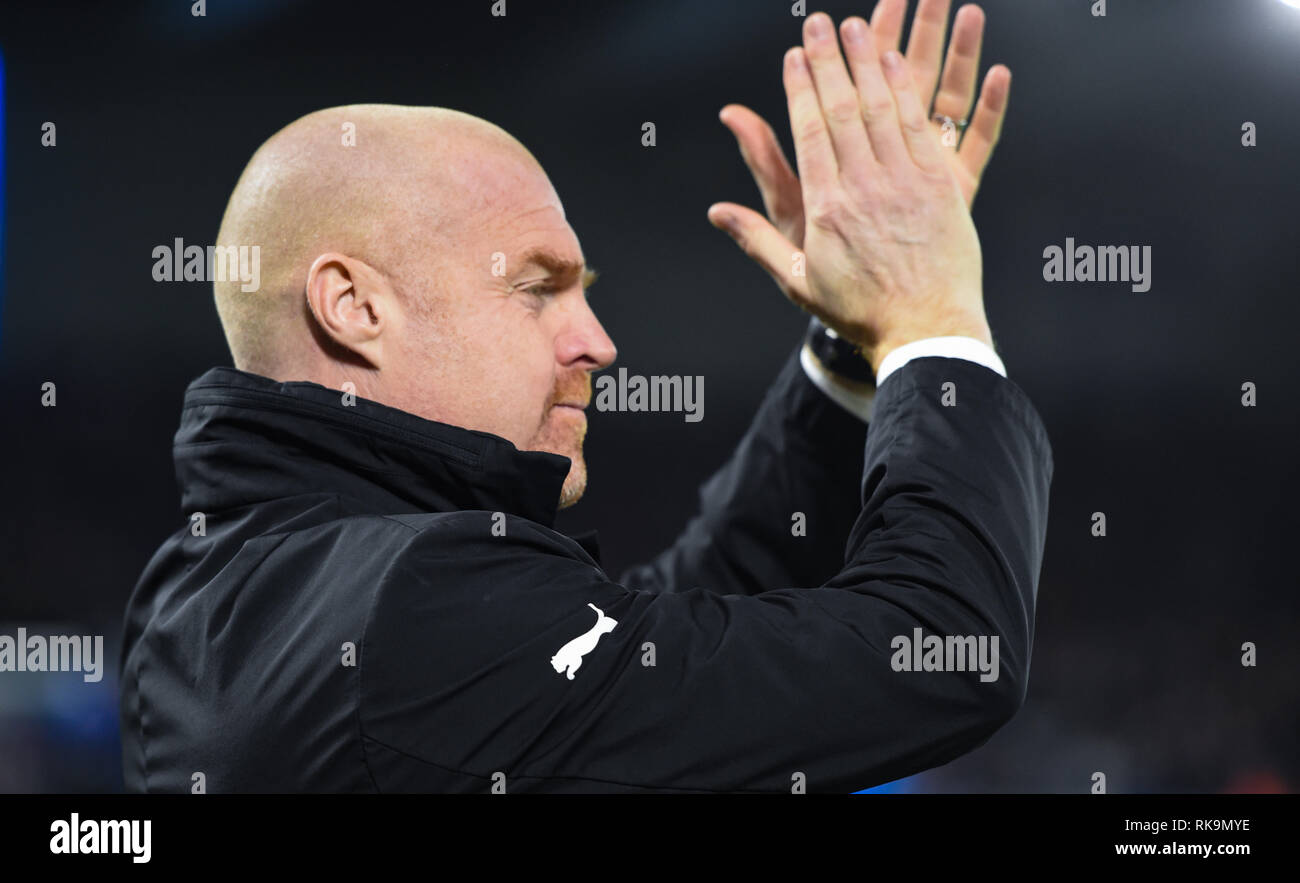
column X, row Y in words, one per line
column 540, row 290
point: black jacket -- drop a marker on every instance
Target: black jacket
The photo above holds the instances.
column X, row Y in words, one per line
column 489, row 650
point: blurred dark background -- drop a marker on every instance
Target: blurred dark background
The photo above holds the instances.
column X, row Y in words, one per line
column 1122, row 130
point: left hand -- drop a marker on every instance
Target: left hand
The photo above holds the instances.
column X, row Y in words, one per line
column 967, row 158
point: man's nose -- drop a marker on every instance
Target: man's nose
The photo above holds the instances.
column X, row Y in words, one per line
column 586, row 338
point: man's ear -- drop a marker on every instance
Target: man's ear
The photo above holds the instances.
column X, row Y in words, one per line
column 352, row 303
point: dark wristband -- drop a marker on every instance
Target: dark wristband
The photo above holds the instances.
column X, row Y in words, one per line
column 837, row 355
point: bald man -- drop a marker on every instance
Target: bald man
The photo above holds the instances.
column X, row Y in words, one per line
column 383, row 269
column 369, row 593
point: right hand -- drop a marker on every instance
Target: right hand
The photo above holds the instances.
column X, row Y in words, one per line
column 892, row 255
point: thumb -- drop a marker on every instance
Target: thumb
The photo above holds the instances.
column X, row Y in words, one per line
column 766, row 245
column 782, row 196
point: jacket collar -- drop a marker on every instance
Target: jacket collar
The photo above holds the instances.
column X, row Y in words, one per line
column 245, row 439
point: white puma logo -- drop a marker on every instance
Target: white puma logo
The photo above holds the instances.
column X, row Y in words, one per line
column 570, row 655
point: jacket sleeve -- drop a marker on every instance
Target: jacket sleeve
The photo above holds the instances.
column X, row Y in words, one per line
column 779, row 511
column 493, row 659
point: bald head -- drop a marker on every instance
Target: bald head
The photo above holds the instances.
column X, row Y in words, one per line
column 418, row 257
column 375, row 182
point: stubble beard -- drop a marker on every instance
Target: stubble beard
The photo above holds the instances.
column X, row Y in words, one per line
column 563, row 432
column 563, row 435
column 575, row 484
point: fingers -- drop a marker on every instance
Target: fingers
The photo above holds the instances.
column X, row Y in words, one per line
column 925, row 46
column 957, row 88
column 887, row 24
column 840, row 122
column 914, row 124
column 764, row 243
column 812, row 140
column 877, row 102
column 986, row 127
column 766, row 160
column 836, row 94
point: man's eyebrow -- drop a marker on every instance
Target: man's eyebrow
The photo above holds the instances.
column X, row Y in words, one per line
column 561, row 267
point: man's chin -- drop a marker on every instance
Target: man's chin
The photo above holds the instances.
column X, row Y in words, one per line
column 565, row 443
column 575, row 483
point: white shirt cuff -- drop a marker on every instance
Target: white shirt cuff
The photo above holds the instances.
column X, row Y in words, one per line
column 949, row 347
column 858, row 404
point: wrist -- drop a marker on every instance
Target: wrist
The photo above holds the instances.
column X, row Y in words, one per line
column 843, row 361
column 977, row 330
